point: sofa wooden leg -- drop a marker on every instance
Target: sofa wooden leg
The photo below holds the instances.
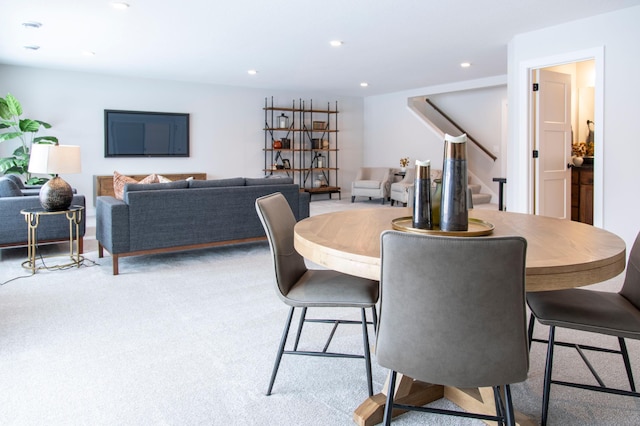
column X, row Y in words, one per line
column 100, row 251
column 353, row 198
column 80, row 245
column 114, row 259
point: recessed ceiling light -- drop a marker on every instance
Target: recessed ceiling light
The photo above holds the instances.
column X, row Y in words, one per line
column 252, row 72
column 364, row 84
column 465, row 64
column 31, row 24
column 120, row 5
column 335, row 43
column 32, row 47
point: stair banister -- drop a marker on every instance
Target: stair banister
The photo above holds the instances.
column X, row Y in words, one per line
column 479, row 145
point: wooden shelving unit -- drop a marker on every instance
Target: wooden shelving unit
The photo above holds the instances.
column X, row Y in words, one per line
column 305, row 147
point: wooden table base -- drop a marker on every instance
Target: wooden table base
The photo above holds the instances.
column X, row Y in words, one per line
column 414, row 392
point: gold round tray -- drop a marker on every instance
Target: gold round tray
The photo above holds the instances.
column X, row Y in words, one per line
column 476, row 228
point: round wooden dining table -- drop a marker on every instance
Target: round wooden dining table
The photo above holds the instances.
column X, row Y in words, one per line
column 560, row 254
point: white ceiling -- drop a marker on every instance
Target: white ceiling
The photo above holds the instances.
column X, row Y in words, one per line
column 393, row 45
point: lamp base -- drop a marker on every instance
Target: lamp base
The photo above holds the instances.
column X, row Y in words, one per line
column 56, row 195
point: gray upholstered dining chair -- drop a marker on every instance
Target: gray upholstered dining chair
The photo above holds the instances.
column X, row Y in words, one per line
column 452, row 312
column 304, row 288
column 602, row 312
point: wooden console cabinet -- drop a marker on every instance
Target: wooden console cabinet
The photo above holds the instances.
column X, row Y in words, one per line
column 582, row 194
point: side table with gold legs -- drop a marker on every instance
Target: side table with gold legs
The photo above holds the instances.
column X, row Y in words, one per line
column 32, row 217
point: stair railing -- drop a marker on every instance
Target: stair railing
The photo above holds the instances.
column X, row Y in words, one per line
column 445, row 116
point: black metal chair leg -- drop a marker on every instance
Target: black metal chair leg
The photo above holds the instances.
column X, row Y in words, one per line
column 375, row 318
column 388, row 408
column 627, row 363
column 510, row 416
column 497, row 400
column 303, row 315
column 530, row 331
column 367, row 353
column 283, row 341
column 547, row 376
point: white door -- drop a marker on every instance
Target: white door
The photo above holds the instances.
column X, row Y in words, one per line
column 553, row 144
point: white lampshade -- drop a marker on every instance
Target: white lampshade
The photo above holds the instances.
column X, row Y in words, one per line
column 55, row 159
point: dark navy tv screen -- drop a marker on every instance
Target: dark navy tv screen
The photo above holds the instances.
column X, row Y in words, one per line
column 146, row 134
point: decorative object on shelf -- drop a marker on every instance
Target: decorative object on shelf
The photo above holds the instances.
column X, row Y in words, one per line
column 316, row 143
column 422, row 196
column 319, row 125
column 320, row 161
column 277, row 144
column 404, row 163
column 283, row 121
column 454, row 212
column 286, row 163
column 577, row 161
column 320, row 182
column 286, row 143
column 325, row 144
column 55, row 194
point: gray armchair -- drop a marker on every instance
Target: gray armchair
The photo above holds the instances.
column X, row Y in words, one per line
column 13, row 227
column 452, row 312
column 372, row 182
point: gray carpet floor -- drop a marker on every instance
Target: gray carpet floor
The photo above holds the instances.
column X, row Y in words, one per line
column 189, row 339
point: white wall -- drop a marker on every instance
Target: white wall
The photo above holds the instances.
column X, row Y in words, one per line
column 392, row 130
column 225, row 125
column 617, row 33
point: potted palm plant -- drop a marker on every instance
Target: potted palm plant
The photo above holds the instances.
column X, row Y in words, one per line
column 25, row 130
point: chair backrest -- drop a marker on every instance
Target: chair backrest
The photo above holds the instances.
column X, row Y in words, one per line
column 16, row 179
column 453, row 309
column 409, row 176
column 381, row 174
column 631, row 287
column 278, row 222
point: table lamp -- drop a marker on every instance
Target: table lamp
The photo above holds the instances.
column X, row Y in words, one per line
column 56, row 194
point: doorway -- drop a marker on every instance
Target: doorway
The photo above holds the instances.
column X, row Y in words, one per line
column 594, row 58
column 563, row 117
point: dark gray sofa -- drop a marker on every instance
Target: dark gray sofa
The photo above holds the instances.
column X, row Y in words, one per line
column 181, row 215
column 13, row 227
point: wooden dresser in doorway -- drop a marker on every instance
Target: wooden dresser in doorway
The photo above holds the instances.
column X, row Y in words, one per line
column 582, row 194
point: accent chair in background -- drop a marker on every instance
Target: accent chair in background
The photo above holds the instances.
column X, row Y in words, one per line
column 372, row 182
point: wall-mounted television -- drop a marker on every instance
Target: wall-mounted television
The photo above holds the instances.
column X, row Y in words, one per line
column 145, row 134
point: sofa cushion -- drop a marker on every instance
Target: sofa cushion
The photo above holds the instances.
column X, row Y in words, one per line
column 215, row 183
column 373, row 184
column 8, row 188
column 16, row 179
column 119, row 181
column 269, row 181
column 177, row 184
column 134, row 187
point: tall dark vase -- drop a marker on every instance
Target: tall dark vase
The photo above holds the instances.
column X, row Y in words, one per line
column 422, row 196
column 454, row 212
